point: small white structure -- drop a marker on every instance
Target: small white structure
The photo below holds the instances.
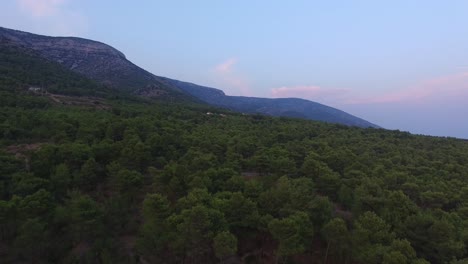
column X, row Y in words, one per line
column 35, row 89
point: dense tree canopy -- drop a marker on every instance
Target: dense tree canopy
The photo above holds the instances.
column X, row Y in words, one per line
column 166, row 183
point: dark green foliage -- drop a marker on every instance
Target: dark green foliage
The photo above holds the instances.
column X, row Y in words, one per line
column 224, row 245
column 338, row 238
column 167, row 183
column 293, row 233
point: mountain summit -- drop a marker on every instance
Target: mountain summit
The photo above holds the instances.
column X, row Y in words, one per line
column 107, row 65
column 95, row 60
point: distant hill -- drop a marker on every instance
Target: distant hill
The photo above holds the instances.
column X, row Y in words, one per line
column 109, row 67
column 289, row 107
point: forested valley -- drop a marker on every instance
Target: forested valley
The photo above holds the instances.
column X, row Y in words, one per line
column 120, row 179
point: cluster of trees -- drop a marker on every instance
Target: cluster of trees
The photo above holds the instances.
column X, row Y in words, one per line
column 166, row 183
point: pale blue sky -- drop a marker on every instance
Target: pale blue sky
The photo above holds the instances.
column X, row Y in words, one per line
column 400, row 64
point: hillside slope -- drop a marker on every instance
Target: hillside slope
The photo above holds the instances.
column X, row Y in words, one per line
column 95, row 60
column 22, row 68
column 288, row 107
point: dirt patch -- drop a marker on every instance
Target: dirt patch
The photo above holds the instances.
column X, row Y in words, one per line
column 128, row 243
column 20, row 151
column 81, row 249
column 250, row 175
column 23, row 152
column 343, row 213
column 86, row 101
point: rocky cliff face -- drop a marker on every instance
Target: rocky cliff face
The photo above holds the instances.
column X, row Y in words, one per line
column 96, row 61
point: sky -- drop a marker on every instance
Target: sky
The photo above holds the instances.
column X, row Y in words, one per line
column 399, row 64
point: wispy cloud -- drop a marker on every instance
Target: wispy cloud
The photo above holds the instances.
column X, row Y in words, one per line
column 51, row 17
column 226, row 66
column 452, row 86
column 311, row 92
column 447, row 88
column 41, row 8
column 231, row 79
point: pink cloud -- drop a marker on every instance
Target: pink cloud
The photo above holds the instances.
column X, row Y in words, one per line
column 41, row 8
column 226, row 66
column 52, row 17
column 305, row 91
column 311, row 92
column 240, row 83
column 225, row 71
column 447, row 86
column 297, row 91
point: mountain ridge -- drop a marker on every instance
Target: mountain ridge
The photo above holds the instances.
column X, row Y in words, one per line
column 110, row 67
column 289, row 107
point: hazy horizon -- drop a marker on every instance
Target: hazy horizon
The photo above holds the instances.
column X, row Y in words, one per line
column 401, row 65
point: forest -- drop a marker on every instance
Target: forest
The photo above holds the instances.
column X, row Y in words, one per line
column 130, row 180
